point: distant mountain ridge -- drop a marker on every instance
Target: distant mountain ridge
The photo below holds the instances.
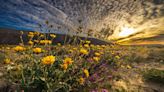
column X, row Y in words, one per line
column 12, row 37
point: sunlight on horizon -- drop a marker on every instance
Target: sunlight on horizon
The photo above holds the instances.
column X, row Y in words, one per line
column 126, row 31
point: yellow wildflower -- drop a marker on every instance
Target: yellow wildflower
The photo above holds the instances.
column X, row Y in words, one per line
column 30, row 42
column 8, row 48
column 96, row 59
column 48, row 60
column 81, row 46
column 36, row 41
column 19, row 48
column 98, row 46
column 81, row 80
column 103, row 46
column 52, row 35
column 129, row 67
column 43, row 42
column 97, row 54
column 31, row 34
column 117, row 57
column 59, row 44
column 86, row 72
column 70, row 51
column 49, row 42
column 64, row 66
column 74, row 48
column 43, row 50
column 37, row 50
column 122, row 66
column 36, row 33
column 68, row 61
column 86, row 45
column 7, row 61
column 41, row 35
column 83, row 51
column 88, row 42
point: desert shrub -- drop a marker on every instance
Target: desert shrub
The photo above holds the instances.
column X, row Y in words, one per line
column 154, row 75
column 136, row 54
column 2, row 57
column 156, row 54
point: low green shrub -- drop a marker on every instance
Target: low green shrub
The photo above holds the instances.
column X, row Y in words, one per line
column 154, row 75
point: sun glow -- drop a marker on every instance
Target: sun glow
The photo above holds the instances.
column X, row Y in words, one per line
column 126, row 32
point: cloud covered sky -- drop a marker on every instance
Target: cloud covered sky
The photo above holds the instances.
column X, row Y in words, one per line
column 104, row 17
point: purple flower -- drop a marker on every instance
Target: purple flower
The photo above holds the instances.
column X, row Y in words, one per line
column 94, row 90
column 94, row 77
column 104, row 90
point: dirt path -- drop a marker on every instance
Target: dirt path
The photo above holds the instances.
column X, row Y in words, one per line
column 131, row 80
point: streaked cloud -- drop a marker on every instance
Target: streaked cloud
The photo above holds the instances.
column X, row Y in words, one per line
column 105, row 17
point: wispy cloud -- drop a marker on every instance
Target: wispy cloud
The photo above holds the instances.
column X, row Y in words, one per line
column 105, row 17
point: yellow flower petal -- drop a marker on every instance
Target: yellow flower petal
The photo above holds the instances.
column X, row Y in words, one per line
column 48, row 60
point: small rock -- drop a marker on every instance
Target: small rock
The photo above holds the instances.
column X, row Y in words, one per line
column 161, row 61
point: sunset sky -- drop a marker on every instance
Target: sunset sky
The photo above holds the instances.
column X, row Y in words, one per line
column 124, row 21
